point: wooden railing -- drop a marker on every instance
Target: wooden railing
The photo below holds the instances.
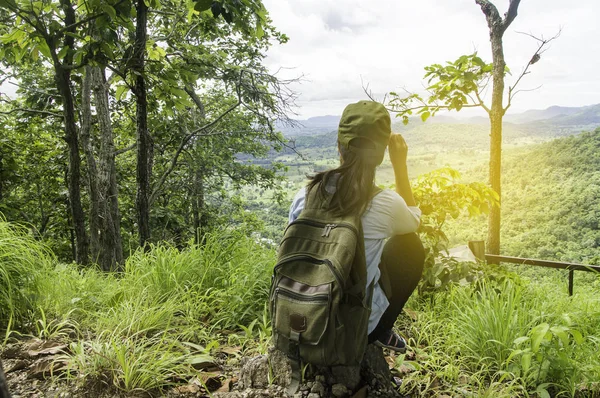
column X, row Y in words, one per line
column 478, row 249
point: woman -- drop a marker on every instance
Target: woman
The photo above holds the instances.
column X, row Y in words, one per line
column 389, row 218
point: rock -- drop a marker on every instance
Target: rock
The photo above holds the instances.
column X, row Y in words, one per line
column 234, row 394
column 264, row 370
column 18, row 365
column 349, row 376
column 255, row 373
column 13, row 351
column 318, row 388
column 372, row 378
column 46, row 367
column 339, row 391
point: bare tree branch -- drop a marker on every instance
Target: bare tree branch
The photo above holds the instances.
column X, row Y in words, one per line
column 126, row 149
column 542, row 44
column 187, row 138
column 481, row 103
column 190, row 91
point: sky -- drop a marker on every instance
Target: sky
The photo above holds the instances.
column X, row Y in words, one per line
column 338, row 46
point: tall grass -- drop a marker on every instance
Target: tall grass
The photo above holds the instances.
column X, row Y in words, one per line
column 477, row 341
column 144, row 329
column 22, row 261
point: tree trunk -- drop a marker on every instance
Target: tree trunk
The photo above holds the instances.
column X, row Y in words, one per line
column 63, row 83
column 497, row 26
column 111, row 248
column 144, row 169
column 63, row 79
column 88, row 148
column 496, row 114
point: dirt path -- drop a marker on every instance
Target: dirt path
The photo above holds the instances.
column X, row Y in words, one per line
column 37, row 368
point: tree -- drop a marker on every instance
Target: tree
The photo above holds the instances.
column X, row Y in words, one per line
column 460, row 84
column 171, row 56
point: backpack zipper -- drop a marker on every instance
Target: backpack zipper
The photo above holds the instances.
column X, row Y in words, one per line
column 318, row 298
column 326, row 227
column 334, row 270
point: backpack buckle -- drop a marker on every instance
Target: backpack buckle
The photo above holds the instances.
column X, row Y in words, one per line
column 327, row 230
column 294, row 345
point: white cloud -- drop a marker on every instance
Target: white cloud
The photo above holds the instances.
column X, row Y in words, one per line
column 386, row 43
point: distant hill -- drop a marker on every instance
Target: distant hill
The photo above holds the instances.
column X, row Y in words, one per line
column 588, row 115
column 552, row 118
column 312, row 126
column 550, row 201
column 533, row 115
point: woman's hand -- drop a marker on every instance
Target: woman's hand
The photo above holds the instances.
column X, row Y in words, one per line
column 398, row 150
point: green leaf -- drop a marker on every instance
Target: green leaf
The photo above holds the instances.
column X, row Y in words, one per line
column 78, row 57
column 112, row 13
column 63, row 52
column 260, row 32
column 520, row 340
column 203, row 5
column 577, row 336
column 120, row 91
column 537, row 335
column 425, row 115
column 542, row 391
column 44, row 49
column 561, row 333
column 526, row 362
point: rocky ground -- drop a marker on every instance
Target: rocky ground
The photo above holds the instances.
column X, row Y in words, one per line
column 33, row 369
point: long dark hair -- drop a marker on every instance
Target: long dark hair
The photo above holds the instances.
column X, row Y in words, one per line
column 354, row 181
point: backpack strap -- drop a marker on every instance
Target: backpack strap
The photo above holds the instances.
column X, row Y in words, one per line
column 294, row 357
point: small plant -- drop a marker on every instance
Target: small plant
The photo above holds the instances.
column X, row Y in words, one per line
column 56, row 328
column 544, row 355
column 440, row 196
column 488, row 320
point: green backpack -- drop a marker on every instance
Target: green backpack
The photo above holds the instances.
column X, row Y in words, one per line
column 319, row 304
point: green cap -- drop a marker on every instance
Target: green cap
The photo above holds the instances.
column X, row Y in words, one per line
column 369, row 120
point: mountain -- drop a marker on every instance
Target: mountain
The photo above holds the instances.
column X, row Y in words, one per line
column 533, row 115
column 588, row 115
column 312, row 126
column 560, row 117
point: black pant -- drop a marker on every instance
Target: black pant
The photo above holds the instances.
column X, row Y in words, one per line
column 402, row 260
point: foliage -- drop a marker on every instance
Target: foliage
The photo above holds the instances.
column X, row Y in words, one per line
column 166, row 312
column 470, row 340
column 451, row 87
column 23, row 261
column 440, row 196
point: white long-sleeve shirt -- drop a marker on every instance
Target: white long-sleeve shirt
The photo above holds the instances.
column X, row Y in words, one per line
column 386, row 216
